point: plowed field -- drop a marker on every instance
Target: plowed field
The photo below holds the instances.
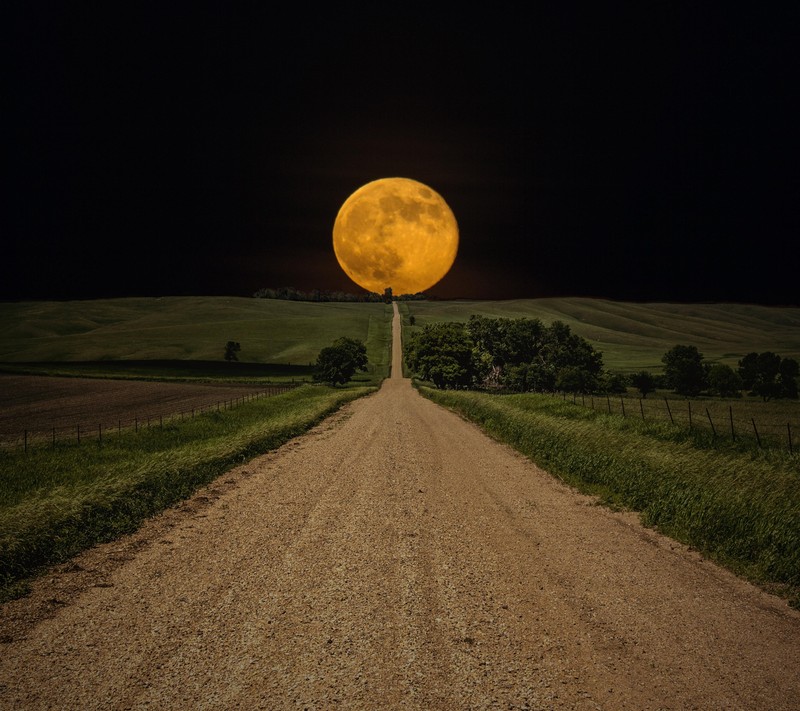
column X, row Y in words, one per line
column 39, row 404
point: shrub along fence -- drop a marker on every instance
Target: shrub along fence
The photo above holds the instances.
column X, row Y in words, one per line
column 81, row 433
column 721, row 420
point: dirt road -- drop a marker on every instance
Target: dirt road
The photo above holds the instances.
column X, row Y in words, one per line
column 395, row 557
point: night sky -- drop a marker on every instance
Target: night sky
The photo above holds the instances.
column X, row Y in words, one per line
column 645, row 154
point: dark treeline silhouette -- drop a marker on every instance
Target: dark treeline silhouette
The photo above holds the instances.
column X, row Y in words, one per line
column 289, row 293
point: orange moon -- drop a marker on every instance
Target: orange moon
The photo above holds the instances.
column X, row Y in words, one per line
column 395, row 232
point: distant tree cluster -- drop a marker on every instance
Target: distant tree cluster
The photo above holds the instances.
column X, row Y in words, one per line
column 766, row 375
column 515, row 354
column 289, row 293
column 769, row 376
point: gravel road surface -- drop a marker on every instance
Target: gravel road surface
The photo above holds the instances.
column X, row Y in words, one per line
column 396, row 558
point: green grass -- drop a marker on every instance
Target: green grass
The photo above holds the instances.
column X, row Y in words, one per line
column 741, row 508
column 771, row 418
column 178, row 329
column 632, row 336
column 55, row 502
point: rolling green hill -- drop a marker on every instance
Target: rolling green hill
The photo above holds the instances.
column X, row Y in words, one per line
column 189, row 329
column 631, row 336
column 635, row 336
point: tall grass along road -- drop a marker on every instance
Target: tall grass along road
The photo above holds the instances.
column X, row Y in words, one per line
column 396, row 557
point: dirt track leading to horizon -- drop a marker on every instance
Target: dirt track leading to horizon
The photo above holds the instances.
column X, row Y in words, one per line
column 396, row 557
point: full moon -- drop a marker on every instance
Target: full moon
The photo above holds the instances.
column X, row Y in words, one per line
column 395, row 232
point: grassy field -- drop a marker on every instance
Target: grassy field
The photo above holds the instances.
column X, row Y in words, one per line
column 116, row 337
column 634, row 336
column 57, row 501
column 739, row 507
column 285, row 336
column 754, row 422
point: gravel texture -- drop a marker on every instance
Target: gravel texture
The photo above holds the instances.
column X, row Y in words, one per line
column 396, row 558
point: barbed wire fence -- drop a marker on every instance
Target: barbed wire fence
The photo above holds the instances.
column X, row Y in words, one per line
column 693, row 415
column 156, row 417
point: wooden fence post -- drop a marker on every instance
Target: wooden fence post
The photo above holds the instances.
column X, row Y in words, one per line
column 26, row 440
column 79, row 434
column 608, row 402
column 622, row 402
column 671, row 419
column 733, row 432
column 641, row 407
column 758, row 439
column 136, row 424
column 789, row 430
column 690, row 414
column 713, row 429
column 54, row 436
column 100, row 433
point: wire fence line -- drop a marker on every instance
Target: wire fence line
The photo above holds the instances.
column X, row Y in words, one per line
column 155, row 417
column 694, row 415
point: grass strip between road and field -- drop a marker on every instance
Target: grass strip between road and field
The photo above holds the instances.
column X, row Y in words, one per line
column 740, row 508
column 57, row 501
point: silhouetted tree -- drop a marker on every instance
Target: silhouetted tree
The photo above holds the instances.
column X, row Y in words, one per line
column 683, row 369
column 768, row 375
column 615, row 383
column 231, row 349
column 644, row 382
column 724, row 381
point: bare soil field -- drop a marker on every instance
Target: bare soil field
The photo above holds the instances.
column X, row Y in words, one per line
column 40, row 403
column 396, row 558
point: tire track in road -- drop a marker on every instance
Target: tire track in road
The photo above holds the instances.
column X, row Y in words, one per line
column 397, row 558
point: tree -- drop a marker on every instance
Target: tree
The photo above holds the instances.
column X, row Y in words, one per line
column 644, row 382
column 724, row 381
column 574, row 379
column 338, row 363
column 445, row 354
column 231, row 349
column 526, row 355
column 615, row 383
column 683, row 369
column 768, row 375
column 787, row 377
column 387, row 295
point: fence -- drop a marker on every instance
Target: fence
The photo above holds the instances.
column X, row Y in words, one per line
column 156, row 417
column 695, row 415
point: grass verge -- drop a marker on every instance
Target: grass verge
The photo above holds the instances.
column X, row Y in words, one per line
column 739, row 508
column 55, row 502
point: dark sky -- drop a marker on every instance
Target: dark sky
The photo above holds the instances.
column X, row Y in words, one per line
column 649, row 153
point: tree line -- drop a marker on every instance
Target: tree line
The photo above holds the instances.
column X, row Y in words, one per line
column 525, row 355
column 687, row 372
column 516, row 354
column 289, row 293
